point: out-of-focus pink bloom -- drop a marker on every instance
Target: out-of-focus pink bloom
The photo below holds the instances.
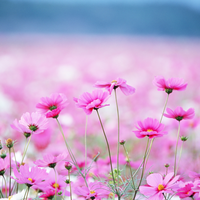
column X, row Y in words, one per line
column 53, row 105
column 4, row 164
column 50, row 183
column 185, row 190
column 50, row 161
column 30, row 177
column 119, row 82
column 49, row 194
column 158, row 185
column 94, row 189
column 196, row 187
column 150, row 127
column 194, row 175
column 179, row 113
column 89, row 101
column 170, row 84
column 31, row 123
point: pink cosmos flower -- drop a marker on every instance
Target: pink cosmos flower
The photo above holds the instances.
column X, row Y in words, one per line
column 50, row 183
column 119, row 82
column 31, row 123
column 30, row 177
column 4, row 164
column 94, row 100
column 151, row 128
column 185, row 189
column 158, row 185
column 50, row 161
column 170, row 84
column 179, row 113
column 53, row 105
column 95, row 189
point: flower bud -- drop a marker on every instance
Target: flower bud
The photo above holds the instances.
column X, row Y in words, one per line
column 3, row 154
column 122, row 142
column 9, row 143
column 1, row 145
column 27, row 135
column 68, row 165
column 184, row 138
column 67, row 181
column 166, row 165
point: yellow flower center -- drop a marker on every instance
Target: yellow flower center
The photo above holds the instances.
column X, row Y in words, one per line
column 149, row 130
column 111, row 195
column 114, row 81
column 30, row 179
column 92, row 191
column 9, row 198
column 55, row 185
column 160, row 187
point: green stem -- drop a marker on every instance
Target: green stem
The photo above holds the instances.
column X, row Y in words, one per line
column 164, row 108
column 27, row 193
column 118, row 136
column 70, row 189
column 10, row 172
column 86, row 144
column 143, row 167
column 108, row 151
column 181, row 150
column 70, row 152
column 1, row 193
column 175, row 170
column 129, row 165
column 26, row 148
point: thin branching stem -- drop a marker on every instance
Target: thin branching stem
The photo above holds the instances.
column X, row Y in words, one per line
column 143, row 167
column 5, row 185
column 25, row 150
column 175, row 167
column 70, row 188
column 108, row 152
column 86, row 143
column 10, row 172
column 118, row 136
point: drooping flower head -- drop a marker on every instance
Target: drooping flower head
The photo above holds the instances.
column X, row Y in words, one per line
column 50, row 161
column 179, row 114
column 31, row 123
column 53, row 105
column 149, row 127
column 118, row 83
column 29, row 176
column 95, row 100
column 157, row 185
column 168, row 85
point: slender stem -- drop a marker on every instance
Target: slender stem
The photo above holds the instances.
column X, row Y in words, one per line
column 160, row 122
column 10, row 172
column 86, row 143
column 70, row 189
column 70, row 152
column 5, row 185
column 1, row 193
column 164, row 107
column 175, row 170
column 24, row 153
column 180, row 155
column 27, row 193
column 118, row 136
column 55, row 183
column 143, row 167
column 129, row 165
column 15, row 158
column 108, row 151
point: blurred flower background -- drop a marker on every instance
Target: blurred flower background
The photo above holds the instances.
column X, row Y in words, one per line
column 65, row 46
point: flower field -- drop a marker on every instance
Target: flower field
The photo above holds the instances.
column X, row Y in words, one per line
column 99, row 117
